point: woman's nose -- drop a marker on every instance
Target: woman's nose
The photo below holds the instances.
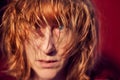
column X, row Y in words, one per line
column 48, row 46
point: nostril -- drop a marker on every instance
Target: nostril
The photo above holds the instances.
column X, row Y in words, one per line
column 52, row 52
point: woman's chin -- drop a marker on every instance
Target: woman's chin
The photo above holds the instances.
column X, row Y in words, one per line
column 46, row 74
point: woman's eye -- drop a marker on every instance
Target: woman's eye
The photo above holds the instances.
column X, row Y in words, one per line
column 60, row 27
column 37, row 26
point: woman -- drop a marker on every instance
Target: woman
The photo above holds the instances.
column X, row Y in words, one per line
column 49, row 39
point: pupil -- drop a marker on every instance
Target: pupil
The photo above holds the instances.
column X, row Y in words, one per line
column 60, row 27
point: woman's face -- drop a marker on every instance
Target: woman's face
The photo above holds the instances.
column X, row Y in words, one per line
column 44, row 51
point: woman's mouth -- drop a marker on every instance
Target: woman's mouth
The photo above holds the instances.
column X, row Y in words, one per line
column 48, row 63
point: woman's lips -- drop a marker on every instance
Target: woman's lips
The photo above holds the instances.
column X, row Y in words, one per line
column 48, row 63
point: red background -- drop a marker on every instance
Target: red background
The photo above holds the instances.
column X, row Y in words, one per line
column 109, row 14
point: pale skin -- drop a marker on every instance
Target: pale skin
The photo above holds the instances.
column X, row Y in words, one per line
column 44, row 54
